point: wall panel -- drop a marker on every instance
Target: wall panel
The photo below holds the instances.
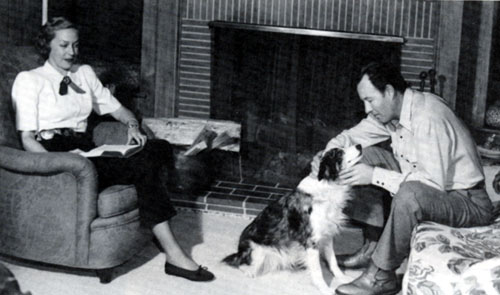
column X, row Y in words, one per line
column 20, row 21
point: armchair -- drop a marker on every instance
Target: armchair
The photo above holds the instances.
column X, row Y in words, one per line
column 50, row 207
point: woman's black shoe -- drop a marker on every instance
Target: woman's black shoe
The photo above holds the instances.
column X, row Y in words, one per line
column 199, row 275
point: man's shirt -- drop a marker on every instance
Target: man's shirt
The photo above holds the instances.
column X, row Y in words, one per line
column 431, row 144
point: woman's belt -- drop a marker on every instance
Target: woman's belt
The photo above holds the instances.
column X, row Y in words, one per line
column 48, row 134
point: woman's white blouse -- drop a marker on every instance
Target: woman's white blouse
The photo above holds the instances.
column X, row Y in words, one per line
column 39, row 106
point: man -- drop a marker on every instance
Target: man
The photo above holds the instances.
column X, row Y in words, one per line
column 439, row 178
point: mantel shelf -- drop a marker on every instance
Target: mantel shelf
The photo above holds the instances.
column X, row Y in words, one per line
column 307, row 32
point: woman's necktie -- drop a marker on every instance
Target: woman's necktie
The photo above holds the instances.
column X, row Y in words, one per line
column 63, row 86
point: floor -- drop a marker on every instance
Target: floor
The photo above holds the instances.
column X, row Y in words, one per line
column 228, row 205
column 211, row 237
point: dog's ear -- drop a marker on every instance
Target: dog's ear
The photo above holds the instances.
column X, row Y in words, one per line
column 329, row 165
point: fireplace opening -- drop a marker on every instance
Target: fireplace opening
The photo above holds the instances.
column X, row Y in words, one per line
column 291, row 90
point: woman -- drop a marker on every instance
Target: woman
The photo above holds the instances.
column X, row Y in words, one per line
column 52, row 104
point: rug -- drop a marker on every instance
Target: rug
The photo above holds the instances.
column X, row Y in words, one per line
column 207, row 237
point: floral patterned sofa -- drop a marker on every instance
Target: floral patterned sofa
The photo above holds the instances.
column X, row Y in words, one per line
column 452, row 261
column 455, row 261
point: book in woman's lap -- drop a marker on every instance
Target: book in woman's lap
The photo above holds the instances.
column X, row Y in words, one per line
column 113, row 150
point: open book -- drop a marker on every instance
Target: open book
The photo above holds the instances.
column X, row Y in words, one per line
column 113, row 150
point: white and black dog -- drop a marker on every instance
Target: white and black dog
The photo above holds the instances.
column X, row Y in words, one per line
column 293, row 231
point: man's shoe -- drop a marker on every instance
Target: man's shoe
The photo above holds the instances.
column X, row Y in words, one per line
column 373, row 281
column 361, row 258
column 199, row 275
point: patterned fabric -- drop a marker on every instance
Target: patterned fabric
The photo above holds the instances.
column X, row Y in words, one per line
column 453, row 261
column 430, row 143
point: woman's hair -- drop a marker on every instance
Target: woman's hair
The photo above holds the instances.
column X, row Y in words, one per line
column 383, row 74
column 48, row 32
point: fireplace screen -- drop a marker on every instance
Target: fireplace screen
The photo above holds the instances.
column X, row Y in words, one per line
column 291, row 92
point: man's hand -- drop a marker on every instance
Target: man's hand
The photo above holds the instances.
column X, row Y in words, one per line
column 496, row 183
column 359, row 174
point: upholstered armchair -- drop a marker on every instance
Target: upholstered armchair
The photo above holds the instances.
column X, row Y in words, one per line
column 50, row 207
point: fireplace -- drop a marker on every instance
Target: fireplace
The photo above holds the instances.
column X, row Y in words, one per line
column 291, row 89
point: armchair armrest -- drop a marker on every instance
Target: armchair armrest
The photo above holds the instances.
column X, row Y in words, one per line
column 44, row 163
column 54, row 184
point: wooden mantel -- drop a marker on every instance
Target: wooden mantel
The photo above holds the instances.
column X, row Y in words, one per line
column 308, row 32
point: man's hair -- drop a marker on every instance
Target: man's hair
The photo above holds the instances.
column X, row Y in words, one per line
column 48, row 32
column 383, row 74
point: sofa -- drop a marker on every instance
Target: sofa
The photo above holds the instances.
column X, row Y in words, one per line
column 455, row 261
column 50, row 208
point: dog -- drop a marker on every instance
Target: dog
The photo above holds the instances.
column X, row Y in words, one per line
column 295, row 230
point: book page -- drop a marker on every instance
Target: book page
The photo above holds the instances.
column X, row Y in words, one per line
column 117, row 150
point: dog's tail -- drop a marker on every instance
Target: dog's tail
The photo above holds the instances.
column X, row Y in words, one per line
column 243, row 256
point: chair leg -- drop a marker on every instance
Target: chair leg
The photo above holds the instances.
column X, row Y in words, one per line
column 105, row 275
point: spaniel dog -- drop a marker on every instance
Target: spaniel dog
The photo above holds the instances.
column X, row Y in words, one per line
column 293, row 231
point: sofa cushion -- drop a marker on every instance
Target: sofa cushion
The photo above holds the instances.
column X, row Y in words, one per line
column 441, row 257
column 116, row 200
column 480, row 278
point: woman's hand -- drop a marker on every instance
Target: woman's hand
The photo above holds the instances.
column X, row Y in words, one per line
column 135, row 135
column 125, row 116
column 359, row 174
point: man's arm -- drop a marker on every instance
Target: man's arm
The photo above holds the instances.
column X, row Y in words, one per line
column 367, row 132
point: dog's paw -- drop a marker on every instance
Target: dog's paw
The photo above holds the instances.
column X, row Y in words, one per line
column 248, row 271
